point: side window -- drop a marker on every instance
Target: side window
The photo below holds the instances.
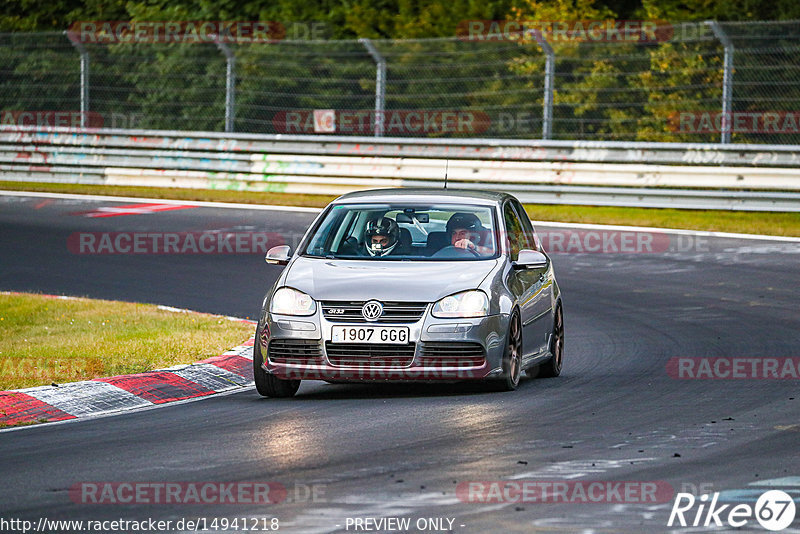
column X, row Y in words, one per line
column 528, row 227
column 514, row 229
column 344, row 231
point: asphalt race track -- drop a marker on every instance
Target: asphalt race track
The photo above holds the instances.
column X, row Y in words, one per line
column 348, row 452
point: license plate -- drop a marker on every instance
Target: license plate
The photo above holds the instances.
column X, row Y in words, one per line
column 397, row 335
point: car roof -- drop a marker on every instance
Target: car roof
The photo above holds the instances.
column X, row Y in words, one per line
column 419, row 194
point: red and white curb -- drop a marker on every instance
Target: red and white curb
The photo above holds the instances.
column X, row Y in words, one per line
column 231, row 370
column 90, row 398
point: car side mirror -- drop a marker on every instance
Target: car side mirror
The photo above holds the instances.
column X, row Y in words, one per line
column 279, row 255
column 530, row 259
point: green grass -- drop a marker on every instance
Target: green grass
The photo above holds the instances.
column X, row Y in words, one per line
column 46, row 340
column 783, row 224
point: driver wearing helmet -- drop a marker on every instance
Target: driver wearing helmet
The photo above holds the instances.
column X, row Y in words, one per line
column 381, row 236
column 467, row 232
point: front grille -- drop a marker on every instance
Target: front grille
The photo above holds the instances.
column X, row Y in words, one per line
column 294, row 351
column 370, row 354
column 393, row 312
column 451, row 354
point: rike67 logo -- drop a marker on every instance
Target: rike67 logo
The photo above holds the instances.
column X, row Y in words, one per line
column 774, row 510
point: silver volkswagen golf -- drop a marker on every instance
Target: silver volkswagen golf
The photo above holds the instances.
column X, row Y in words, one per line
column 411, row 285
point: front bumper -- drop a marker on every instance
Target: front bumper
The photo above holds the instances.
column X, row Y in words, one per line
column 439, row 349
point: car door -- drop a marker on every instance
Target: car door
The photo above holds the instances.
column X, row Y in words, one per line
column 529, row 286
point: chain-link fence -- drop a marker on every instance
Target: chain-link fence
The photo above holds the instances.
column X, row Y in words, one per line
column 698, row 82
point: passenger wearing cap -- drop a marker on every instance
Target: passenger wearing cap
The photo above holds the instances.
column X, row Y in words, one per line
column 381, row 236
column 467, row 232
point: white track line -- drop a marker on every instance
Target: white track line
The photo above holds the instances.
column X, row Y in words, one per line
column 262, row 207
column 677, row 231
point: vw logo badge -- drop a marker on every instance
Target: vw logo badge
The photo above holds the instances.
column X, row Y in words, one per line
column 372, row 310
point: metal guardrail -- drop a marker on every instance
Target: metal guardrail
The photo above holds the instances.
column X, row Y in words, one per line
column 751, row 177
column 535, row 150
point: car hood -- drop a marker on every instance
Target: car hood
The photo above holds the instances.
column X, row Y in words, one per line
column 428, row 281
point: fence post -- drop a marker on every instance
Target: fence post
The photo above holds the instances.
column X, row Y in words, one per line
column 549, row 74
column 380, row 84
column 230, row 84
column 84, row 76
column 727, row 80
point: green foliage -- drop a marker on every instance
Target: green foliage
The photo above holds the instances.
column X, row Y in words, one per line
column 723, row 10
column 342, row 18
column 395, row 19
column 623, row 91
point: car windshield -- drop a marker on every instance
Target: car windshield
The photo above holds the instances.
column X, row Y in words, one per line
column 420, row 232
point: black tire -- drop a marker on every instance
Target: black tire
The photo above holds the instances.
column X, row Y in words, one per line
column 512, row 357
column 266, row 384
column 552, row 367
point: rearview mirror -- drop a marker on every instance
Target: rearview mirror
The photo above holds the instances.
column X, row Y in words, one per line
column 407, row 218
column 279, row 255
column 530, row 259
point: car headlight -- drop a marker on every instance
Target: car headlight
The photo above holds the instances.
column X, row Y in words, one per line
column 288, row 301
column 465, row 304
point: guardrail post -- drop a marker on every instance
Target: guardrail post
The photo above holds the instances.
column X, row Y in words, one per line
column 230, row 84
column 727, row 80
column 84, row 77
column 380, row 84
column 549, row 74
